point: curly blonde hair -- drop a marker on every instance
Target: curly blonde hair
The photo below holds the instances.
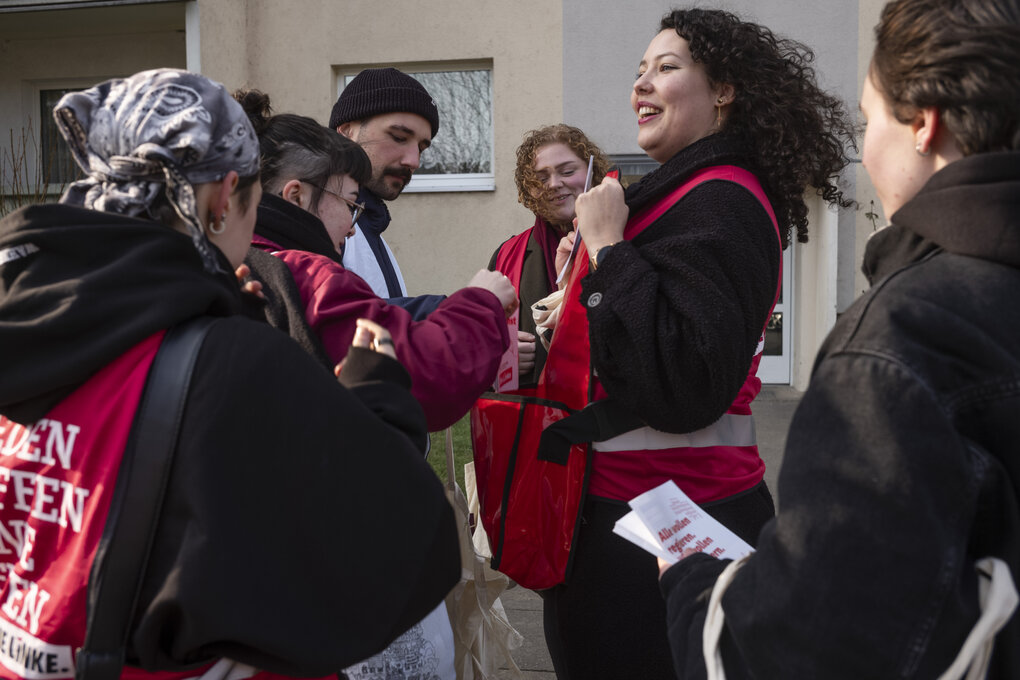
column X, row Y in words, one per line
column 530, row 191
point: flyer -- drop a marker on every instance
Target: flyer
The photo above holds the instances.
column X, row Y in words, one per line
column 666, row 522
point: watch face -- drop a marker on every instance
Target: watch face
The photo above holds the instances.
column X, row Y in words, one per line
column 601, row 255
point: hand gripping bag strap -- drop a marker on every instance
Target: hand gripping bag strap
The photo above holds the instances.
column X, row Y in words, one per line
column 124, row 549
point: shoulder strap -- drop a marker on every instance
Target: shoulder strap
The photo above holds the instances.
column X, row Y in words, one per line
column 604, row 419
column 123, row 552
column 730, row 173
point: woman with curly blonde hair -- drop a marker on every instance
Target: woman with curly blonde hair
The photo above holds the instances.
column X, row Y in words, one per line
column 552, row 164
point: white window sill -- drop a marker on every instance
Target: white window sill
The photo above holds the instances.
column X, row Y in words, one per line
column 450, row 183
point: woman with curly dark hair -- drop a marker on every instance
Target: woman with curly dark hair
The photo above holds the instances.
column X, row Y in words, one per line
column 680, row 276
column 552, row 164
column 897, row 550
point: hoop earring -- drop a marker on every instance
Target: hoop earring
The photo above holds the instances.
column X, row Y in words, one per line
column 218, row 226
column 919, row 152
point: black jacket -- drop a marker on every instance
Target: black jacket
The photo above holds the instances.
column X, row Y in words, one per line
column 901, row 466
column 302, row 530
column 683, row 305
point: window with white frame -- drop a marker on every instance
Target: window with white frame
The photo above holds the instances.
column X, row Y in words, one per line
column 632, row 167
column 460, row 158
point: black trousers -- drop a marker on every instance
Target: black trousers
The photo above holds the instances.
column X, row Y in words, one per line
column 609, row 619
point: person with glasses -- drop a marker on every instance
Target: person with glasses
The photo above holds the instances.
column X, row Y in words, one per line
column 310, row 178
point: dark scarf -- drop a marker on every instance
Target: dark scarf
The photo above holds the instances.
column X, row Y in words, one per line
column 970, row 207
column 711, row 150
column 293, row 228
column 372, row 223
column 547, row 238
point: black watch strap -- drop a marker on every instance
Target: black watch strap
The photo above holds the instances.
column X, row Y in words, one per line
column 600, row 256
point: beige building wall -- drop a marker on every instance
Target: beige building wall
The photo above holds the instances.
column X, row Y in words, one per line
column 292, row 51
column 543, row 70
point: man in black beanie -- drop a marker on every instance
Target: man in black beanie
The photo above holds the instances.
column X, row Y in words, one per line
column 394, row 118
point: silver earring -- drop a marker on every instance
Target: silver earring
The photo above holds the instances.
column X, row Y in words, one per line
column 919, row 152
column 218, row 226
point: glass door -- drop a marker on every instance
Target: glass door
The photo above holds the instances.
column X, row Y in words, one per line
column 775, row 361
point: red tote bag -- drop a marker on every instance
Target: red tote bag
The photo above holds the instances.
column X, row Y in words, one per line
column 529, row 507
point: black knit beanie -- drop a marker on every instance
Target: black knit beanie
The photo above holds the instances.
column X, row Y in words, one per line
column 383, row 90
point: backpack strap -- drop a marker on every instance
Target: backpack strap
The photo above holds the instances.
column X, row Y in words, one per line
column 123, row 553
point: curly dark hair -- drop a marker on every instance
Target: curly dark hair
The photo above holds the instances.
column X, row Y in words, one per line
column 530, row 191
column 961, row 57
column 796, row 135
column 297, row 147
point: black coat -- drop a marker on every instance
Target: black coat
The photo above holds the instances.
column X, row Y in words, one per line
column 901, row 466
column 302, row 531
column 684, row 304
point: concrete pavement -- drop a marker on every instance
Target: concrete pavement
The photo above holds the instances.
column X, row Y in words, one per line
column 773, row 410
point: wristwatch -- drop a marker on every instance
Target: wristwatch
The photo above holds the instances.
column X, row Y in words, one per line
column 600, row 255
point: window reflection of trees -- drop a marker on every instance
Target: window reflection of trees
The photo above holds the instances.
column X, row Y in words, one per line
column 464, row 141
column 58, row 164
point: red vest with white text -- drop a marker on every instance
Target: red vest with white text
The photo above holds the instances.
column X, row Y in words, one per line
column 57, row 478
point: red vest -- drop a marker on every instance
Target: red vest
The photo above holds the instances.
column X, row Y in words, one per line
column 57, row 478
column 710, row 464
column 510, row 258
column 56, row 482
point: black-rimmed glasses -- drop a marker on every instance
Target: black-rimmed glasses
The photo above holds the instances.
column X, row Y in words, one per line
column 356, row 208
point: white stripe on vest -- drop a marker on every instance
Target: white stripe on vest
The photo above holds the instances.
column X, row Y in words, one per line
column 730, row 430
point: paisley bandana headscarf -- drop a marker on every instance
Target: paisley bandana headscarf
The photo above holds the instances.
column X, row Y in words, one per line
column 156, row 132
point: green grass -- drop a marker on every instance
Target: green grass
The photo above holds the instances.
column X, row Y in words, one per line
column 461, row 450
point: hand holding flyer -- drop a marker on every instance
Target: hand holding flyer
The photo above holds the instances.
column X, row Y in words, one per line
column 577, row 242
column 666, row 522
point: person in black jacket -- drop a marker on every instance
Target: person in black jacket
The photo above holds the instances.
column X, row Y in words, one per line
column 301, row 529
column 676, row 313
column 901, row 476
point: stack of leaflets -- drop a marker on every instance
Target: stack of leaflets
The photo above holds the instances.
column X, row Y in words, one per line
column 666, row 522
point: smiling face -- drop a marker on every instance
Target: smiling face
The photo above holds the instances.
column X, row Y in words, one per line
column 394, row 143
column 562, row 174
column 672, row 97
